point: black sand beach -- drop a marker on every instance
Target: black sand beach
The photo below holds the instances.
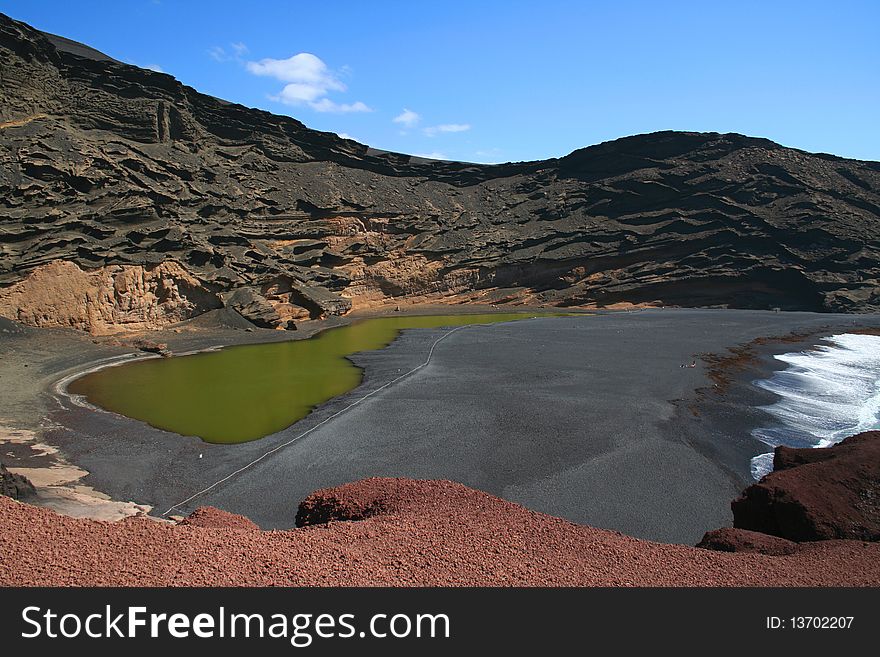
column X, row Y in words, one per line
column 589, row 418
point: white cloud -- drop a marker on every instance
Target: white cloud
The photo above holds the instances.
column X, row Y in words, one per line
column 407, row 118
column 432, row 156
column 345, row 135
column 218, row 54
column 327, row 105
column 304, row 68
column 447, row 127
column 221, row 54
column 309, row 81
column 295, row 93
column 155, row 67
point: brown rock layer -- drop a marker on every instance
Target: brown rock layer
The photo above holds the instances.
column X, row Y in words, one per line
column 817, row 494
column 108, row 299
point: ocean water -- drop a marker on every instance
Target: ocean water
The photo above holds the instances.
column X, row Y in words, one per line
column 825, row 395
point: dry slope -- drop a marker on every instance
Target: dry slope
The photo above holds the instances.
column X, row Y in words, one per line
column 104, row 164
column 417, row 533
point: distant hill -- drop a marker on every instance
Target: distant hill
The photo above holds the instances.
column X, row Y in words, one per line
column 119, row 169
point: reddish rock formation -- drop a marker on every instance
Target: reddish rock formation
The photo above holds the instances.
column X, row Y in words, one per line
column 420, row 533
column 818, row 494
column 730, row 539
column 208, row 516
column 108, row 299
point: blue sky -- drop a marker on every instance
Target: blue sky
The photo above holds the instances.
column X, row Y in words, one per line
column 504, row 81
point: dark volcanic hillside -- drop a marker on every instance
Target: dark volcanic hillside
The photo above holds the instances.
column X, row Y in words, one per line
column 174, row 202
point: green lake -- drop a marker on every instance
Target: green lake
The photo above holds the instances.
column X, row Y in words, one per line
column 243, row 393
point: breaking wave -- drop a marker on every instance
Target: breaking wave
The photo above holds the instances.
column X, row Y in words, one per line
column 825, row 394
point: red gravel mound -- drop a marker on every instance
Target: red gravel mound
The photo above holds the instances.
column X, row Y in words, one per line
column 420, row 533
column 817, row 494
column 383, row 496
column 729, row 539
column 208, row 516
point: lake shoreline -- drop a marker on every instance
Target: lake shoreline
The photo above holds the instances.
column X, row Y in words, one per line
column 41, row 362
column 200, row 392
column 132, row 461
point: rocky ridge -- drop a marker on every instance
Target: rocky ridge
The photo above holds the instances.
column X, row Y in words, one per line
column 106, row 165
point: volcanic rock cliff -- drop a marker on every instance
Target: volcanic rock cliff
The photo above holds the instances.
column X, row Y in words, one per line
column 816, row 494
column 120, row 171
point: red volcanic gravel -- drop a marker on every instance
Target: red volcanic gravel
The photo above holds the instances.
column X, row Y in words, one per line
column 421, row 533
column 729, row 539
column 208, row 516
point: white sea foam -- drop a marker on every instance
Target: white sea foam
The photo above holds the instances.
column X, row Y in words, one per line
column 825, row 394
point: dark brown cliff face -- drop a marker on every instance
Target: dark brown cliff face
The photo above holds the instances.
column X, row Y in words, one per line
column 15, row 486
column 817, row 494
column 104, row 164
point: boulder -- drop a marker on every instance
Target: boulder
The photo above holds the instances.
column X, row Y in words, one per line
column 730, row 539
column 254, row 307
column 15, row 486
column 817, row 494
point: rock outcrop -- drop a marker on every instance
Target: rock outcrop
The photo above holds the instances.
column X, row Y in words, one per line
column 107, row 299
column 14, row 485
column 254, row 307
column 817, row 494
column 730, row 539
column 107, row 165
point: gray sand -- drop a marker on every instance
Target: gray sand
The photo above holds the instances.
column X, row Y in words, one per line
column 587, row 418
column 571, row 417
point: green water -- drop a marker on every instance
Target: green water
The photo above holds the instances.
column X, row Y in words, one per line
column 243, row 393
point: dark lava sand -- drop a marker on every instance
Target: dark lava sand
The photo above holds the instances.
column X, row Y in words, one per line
column 590, row 418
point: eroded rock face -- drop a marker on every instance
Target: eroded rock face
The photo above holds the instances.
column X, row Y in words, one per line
column 14, row 485
column 254, row 307
column 105, row 164
column 108, row 299
column 817, row 494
